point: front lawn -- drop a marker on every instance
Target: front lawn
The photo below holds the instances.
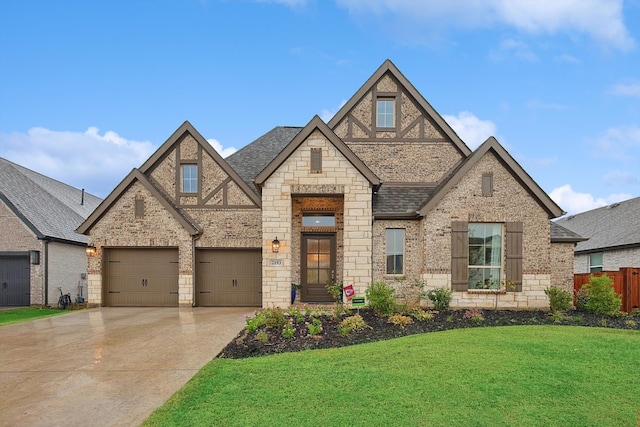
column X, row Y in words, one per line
column 516, row 375
column 17, row 315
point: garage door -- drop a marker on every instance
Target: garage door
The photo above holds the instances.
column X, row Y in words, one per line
column 229, row 277
column 141, row 278
column 14, row 280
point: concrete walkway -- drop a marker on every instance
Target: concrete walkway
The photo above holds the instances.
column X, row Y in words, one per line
column 106, row 366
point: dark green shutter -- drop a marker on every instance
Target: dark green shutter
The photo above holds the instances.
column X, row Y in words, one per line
column 514, row 254
column 459, row 256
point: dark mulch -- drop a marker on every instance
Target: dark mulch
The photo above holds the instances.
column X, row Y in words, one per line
column 247, row 344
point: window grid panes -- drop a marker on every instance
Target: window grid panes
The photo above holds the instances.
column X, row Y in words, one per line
column 395, row 251
column 385, row 114
column 485, row 256
column 595, row 262
column 190, row 179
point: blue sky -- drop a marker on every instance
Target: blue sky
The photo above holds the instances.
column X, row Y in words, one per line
column 89, row 89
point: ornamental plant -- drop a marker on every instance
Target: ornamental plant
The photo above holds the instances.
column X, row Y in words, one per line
column 600, row 296
column 381, row 298
column 441, row 298
column 560, row 300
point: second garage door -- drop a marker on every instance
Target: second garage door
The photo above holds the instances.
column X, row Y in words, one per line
column 141, row 277
column 229, row 277
column 15, row 276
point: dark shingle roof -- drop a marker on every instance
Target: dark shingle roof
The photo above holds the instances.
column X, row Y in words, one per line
column 250, row 160
column 616, row 225
column 50, row 208
column 559, row 234
column 400, row 200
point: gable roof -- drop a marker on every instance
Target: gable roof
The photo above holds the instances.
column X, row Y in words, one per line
column 492, row 144
column 250, row 160
column 187, row 127
column 51, row 209
column 614, row 226
column 316, row 124
column 389, row 67
column 135, row 175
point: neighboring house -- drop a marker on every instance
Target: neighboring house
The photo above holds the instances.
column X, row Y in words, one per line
column 39, row 248
column 614, row 237
column 385, row 191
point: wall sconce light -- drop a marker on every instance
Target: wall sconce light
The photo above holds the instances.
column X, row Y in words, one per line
column 91, row 251
column 34, row 257
column 275, row 245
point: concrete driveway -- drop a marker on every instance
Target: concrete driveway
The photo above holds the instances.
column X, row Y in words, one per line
column 106, row 366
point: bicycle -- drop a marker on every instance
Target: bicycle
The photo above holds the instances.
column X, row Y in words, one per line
column 65, row 300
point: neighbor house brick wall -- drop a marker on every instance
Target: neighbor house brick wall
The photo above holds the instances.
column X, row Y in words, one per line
column 338, row 177
column 66, row 265
column 612, row 260
column 509, row 202
column 15, row 236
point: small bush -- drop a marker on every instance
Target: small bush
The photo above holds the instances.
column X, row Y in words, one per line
column 559, row 299
column 474, row 314
column 630, row 323
column 381, row 298
column 289, row 331
column 262, row 337
column 400, row 320
column 274, row 318
column 421, row 315
column 601, row 298
column 253, row 323
column 440, row 297
column 315, row 327
column 351, row 323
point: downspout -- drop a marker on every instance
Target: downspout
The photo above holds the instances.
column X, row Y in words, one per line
column 46, row 273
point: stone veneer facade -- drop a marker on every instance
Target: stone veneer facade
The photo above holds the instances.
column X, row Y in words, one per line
column 292, row 179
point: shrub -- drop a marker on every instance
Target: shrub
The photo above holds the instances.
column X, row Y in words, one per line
column 440, row 297
column 559, row 299
column 601, row 298
column 262, row 337
column 421, row 315
column 400, row 320
column 351, row 323
column 315, row 327
column 381, row 298
column 274, row 318
column 253, row 323
column 474, row 314
column 289, row 331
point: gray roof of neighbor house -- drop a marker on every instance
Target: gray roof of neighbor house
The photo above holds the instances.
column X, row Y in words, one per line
column 559, row 234
column 614, row 226
column 250, row 160
column 50, row 208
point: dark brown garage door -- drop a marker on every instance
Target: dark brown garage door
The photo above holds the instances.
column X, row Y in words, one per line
column 141, row 277
column 229, row 277
column 14, row 280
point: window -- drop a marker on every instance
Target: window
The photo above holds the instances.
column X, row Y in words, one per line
column 318, row 220
column 385, row 113
column 395, row 251
column 189, row 178
column 316, row 160
column 485, row 256
column 487, row 184
column 139, row 207
column 595, row 262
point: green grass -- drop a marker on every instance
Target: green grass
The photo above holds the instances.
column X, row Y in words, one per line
column 512, row 376
column 17, row 315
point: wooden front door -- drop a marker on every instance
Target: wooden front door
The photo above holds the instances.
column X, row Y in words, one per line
column 318, row 266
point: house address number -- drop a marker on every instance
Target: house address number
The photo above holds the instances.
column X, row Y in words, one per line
column 277, row 262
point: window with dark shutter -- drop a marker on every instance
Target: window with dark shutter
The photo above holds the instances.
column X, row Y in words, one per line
column 487, row 184
column 514, row 254
column 316, row 160
column 459, row 256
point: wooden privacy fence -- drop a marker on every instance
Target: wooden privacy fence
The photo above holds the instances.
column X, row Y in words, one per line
column 626, row 282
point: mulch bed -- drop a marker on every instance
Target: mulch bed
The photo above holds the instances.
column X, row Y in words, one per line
column 247, row 344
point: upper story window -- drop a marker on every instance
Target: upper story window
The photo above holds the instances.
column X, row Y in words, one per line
column 485, row 256
column 189, row 178
column 385, row 113
column 595, row 262
column 395, row 251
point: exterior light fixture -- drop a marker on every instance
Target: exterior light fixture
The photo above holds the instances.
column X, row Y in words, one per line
column 91, row 251
column 275, row 245
column 34, row 257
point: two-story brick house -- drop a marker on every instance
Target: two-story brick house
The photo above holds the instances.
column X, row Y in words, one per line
column 386, row 190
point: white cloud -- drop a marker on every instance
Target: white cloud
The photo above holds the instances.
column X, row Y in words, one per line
column 327, row 115
column 565, row 57
column 619, row 178
column 518, row 48
column 573, row 202
column 471, row 129
column 90, row 160
column 622, row 143
column 632, row 89
column 224, row 152
column 600, row 19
